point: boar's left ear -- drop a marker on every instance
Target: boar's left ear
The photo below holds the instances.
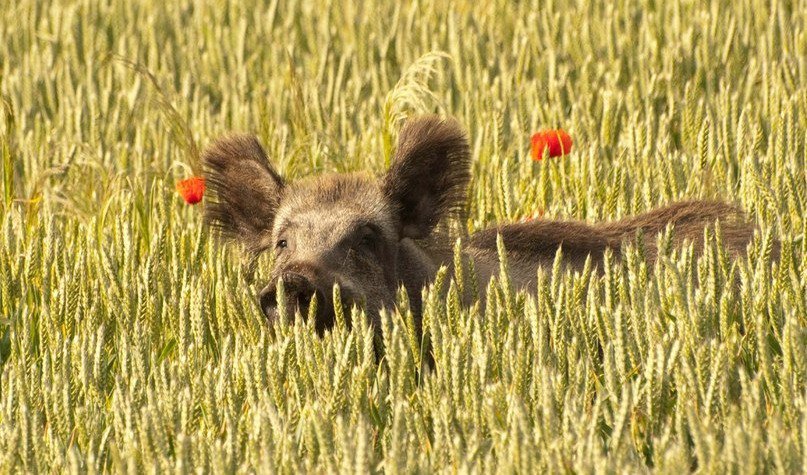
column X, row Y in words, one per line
column 246, row 189
column 429, row 174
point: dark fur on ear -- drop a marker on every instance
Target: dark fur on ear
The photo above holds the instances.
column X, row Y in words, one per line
column 246, row 189
column 429, row 174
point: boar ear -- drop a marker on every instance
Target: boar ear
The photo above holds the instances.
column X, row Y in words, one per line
column 246, row 189
column 429, row 174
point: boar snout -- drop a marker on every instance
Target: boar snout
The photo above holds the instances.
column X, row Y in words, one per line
column 300, row 290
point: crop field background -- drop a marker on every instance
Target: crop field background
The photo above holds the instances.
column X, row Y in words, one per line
column 129, row 336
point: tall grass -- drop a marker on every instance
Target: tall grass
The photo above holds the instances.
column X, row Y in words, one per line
column 129, row 339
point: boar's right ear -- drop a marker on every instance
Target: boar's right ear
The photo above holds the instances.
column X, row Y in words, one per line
column 429, row 175
column 246, row 189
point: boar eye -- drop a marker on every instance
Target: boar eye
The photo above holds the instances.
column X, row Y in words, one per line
column 368, row 239
column 281, row 244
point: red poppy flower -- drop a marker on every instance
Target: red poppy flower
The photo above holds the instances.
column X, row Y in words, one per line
column 192, row 189
column 556, row 140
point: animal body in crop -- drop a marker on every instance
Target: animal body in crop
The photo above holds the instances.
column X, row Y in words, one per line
column 371, row 235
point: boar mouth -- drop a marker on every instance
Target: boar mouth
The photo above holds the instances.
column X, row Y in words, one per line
column 325, row 316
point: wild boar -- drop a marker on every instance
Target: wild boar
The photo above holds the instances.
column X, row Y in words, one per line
column 372, row 235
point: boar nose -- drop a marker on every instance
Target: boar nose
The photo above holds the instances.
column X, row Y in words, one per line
column 299, row 292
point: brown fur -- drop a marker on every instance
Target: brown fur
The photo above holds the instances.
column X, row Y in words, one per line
column 246, row 188
column 371, row 236
column 429, row 175
column 535, row 243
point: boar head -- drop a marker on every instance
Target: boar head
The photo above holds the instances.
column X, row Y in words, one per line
column 349, row 229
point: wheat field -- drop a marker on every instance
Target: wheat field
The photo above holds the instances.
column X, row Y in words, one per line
column 129, row 336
